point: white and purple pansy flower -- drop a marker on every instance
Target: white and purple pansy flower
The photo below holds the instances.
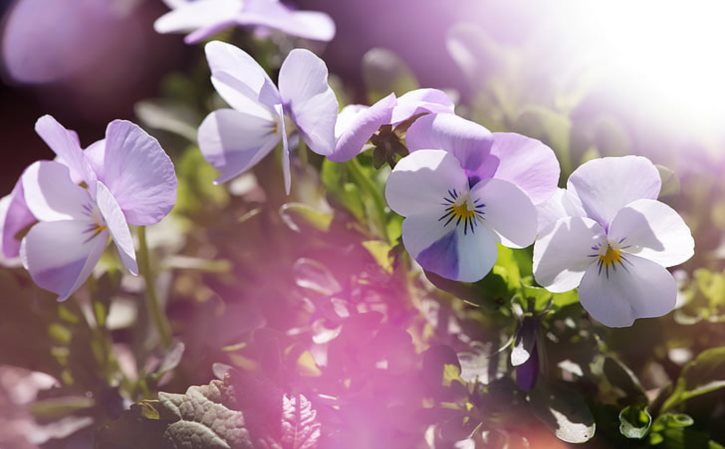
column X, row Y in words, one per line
column 204, row 18
column 613, row 241
column 356, row 124
column 262, row 115
column 85, row 197
column 460, row 199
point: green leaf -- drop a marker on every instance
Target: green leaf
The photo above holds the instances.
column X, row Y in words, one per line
column 703, row 375
column 334, row 178
column 635, row 422
column 200, row 419
column 170, row 116
column 670, row 181
column 564, row 411
column 381, row 253
column 295, row 214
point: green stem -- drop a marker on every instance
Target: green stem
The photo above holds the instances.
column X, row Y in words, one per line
column 157, row 314
column 367, row 185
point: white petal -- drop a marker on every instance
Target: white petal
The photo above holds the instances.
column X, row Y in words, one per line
column 446, row 251
column 313, row 105
column 563, row 254
column 240, row 80
column 508, row 211
column 117, row 225
column 653, row 230
column 51, row 195
column 421, row 181
column 66, row 146
column 560, row 205
column 60, row 255
column 188, row 16
column 606, row 185
column 639, row 288
column 233, row 142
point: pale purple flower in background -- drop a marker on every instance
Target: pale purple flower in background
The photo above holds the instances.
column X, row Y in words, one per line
column 84, row 197
column 356, row 123
column 616, row 242
column 452, row 226
column 262, row 115
column 204, row 18
column 525, row 162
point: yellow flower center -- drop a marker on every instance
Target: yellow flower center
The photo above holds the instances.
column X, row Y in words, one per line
column 611, row 256
column 461, row 209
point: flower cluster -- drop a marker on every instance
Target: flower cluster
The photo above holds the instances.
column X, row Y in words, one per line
column 62, row 213
column 461, row 189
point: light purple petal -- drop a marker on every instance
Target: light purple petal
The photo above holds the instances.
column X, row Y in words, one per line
column 560, row 205
column 606, row 185
column 95, row 154
column 16, row 218
column 469, row 142
column 60, row 255
column 527, row 163
column 356, row 125
column 66, row 146
column 138, row 173
column 562, row 256
column 208, row 31
column 117, row 226
column 421, row 181
column 654, row 231
column 51, row 195
column 638, row 289
column 233, row 142
column 508, row 211
column 286, row 161
column 275, row 15
column 191, row 16
column 309, row 99
column 421, row 101
column 240, row 80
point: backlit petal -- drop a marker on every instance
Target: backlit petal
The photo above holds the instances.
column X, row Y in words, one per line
column 562, row 256
column 138, row 173
column 310, row 101
column 606, row 185
column 560, row 205
column 421, row 101
column 638, row 288
column 469, row 142
column 653, row 230
column 527, row 163
column 189, row 16
column 51, row 195
column 422, row 180
column 233, row 142
column 356, row 124
column 275, row 15
column 15, row 218
column 118, row 227
column 60, row 255
column 66, row 146
column 240, row 80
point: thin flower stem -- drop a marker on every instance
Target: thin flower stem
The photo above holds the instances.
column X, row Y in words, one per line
column 367, row 184
column 154, row 307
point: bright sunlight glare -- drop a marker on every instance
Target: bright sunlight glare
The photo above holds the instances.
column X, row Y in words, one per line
column 668, row 54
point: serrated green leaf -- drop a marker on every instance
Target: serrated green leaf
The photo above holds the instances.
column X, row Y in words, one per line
column 200, row 419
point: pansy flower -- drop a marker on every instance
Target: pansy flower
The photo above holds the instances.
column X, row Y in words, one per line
column 86, row 197
column 356, row 124
column 451, row 226
column 204, row 18
column 616, row 242
column 463, row 190
column 263, row 115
